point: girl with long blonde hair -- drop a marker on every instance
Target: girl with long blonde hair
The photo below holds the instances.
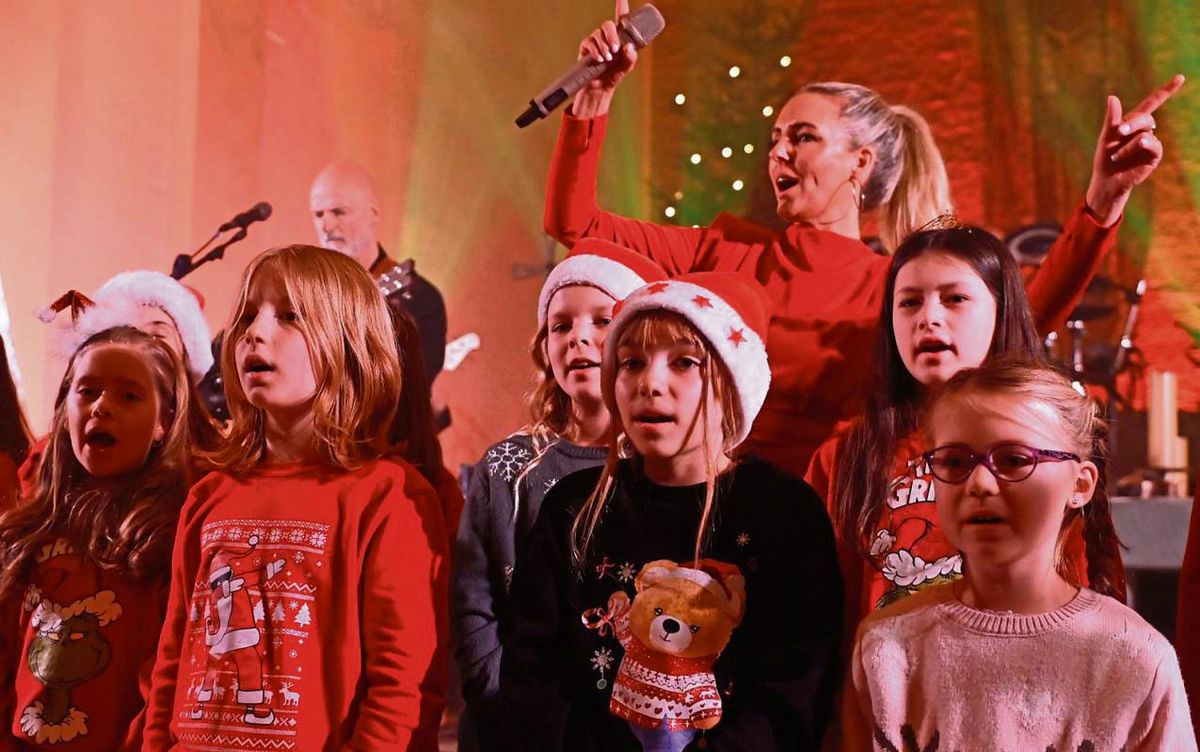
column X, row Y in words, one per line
column 302, row 608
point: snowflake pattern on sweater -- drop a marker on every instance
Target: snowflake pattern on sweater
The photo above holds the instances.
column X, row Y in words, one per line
column 250, row 618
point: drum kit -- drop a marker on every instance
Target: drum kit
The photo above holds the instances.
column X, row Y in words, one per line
column 1096, row 344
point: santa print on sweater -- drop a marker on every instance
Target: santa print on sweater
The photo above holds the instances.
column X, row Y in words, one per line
column 259, row 573
column 303, row 612
column 908, row 548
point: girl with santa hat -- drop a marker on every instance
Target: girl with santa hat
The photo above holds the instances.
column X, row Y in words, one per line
column 684, row 374
column 566, row 433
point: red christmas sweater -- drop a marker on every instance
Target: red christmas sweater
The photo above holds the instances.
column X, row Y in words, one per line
column 76, row 649
column 907, row 549
column 827, row 291
column 301, row 613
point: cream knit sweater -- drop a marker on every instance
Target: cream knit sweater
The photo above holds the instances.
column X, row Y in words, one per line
column 931, row 673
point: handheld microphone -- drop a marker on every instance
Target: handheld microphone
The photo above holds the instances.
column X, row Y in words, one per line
column 638, row 28
column 256, row 213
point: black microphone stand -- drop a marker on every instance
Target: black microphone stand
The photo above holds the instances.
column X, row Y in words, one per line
column 185, row 265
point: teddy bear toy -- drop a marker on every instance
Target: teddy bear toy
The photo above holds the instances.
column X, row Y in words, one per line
column 672, row 631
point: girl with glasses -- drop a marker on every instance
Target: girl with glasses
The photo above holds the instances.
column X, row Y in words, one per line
column 1015, row 655
column 953, row 299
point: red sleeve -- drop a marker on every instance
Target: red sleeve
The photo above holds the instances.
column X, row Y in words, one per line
column 1187, row 619
column 572, row 212
column 451, row 496
column 430, row 505
column 134, row 735
column 821, row 476
column 1070, row 265
column 10, row 487
column 398, row 622
column 185, row 562
column 820, row 471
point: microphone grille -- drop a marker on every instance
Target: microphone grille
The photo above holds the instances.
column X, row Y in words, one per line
column 262, row 210
column 644, row 24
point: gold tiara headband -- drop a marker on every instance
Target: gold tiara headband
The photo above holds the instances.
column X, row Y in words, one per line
column 944, row 221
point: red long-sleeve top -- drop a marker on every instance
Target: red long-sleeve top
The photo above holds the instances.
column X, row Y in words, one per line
column 77, row 644
column 827, row 290
column 304, row 595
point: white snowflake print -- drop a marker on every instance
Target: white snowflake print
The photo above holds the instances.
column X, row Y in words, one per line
column 743, row 539
column 602, row 659
column 298, row 557
column 317, row 539
column 626, row 572
column 274, row 535
column 292, row 654
column 258, row 532
column 297, row 536
column 507, row 459
column 235, row 533
column 550, row 484
column 884, row 540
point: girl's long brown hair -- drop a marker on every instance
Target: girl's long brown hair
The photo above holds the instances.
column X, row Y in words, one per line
column 351, row 343
column 1080, row 419
column 126, row 524
column 895, row 399
column 649, row 329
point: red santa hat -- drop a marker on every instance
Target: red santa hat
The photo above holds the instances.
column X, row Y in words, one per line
column 730, row 310
column 610, row 268
column 114, row 305
column 226, row 564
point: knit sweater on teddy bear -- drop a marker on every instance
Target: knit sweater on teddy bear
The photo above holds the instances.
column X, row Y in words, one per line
column 779, row 670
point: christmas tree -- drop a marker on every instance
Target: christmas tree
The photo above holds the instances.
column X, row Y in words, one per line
column 302, row 617
column 716, row 90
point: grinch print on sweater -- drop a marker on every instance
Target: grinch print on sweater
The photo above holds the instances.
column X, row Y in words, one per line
column 908, row 547
column 249, row 619
column 672, row 632
column 68, row 649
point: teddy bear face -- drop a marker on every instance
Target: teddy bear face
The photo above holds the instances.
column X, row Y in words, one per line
column 679, row 617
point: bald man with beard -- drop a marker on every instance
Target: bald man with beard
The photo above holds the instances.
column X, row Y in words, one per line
column 345, row 212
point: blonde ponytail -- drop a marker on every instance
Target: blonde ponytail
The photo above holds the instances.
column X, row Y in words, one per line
column 922, row 189
column 908, row 182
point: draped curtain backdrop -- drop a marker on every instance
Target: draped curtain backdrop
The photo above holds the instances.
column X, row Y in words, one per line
column 132, row 128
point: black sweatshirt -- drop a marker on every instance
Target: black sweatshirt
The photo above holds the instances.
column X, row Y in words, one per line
column 780, row 670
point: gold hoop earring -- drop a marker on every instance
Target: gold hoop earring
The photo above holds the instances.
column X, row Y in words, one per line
column 860, row 196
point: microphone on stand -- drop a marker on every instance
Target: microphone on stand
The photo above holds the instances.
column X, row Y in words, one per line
column 638, row 28
column 256, row 213
column 185, row 263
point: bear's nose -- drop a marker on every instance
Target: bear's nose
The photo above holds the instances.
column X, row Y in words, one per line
column 670, row 626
